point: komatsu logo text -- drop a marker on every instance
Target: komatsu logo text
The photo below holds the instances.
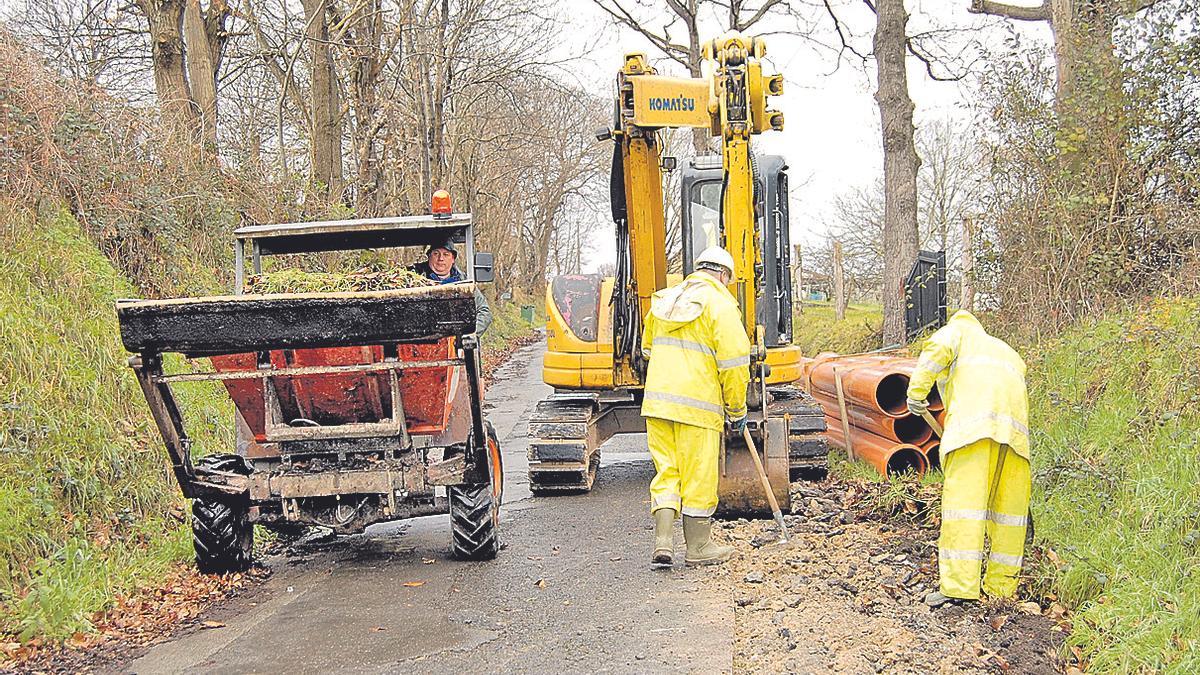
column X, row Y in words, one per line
column 681, row 103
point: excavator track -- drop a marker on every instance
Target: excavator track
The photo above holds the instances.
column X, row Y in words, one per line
column 566, row 433
column 808, row 449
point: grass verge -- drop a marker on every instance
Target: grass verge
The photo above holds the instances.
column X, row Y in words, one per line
column 816, row 329
column 87, row 504
column 1115, row 411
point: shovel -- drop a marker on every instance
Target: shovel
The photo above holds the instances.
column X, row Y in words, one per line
column 933, row 423
column 762, row 476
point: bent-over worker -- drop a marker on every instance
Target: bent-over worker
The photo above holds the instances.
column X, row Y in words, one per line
column 699, row 366
column 440, row 266
column 985, row 457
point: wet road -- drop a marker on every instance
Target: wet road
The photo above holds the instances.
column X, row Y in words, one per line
column 571, row 592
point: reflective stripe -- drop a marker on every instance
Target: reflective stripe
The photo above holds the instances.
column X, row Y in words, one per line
column 645, row 353
column 683, row 400
column 685, row 344
column 1005, row 559
column 928, row 365
column 980, row 514
column 734, row 414
column 725, row 364
column 698, row 513
column 952, row 554
column 666, row 500
column 1005, row 519
column 964, row 514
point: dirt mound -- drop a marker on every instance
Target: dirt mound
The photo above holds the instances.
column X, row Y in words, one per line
column 847, row 594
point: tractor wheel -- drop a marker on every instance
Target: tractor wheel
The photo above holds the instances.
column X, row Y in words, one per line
column 475, row 509
column 221, row 530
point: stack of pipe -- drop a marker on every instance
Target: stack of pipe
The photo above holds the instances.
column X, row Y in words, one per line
column 882, row 431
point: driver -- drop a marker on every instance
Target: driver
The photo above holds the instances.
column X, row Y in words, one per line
column 439, row 265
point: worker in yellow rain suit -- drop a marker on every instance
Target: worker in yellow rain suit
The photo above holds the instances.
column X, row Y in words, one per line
column 699, row 366
column 985, row 456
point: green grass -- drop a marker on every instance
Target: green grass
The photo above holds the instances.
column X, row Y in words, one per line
column 816, row 329
column 508, row 325
column 1115, row 411
column 88, row 507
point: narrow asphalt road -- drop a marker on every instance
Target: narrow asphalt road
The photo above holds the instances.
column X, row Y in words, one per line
column 571, row 592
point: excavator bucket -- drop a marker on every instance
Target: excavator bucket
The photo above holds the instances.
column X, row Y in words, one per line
column 740, row 489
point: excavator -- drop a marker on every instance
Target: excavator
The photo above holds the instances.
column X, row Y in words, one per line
column 738, row 200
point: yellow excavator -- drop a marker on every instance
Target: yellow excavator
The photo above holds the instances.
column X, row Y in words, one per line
column 738, row 200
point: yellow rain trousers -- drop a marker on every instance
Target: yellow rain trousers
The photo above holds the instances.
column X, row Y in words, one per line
column 985, row 455
column 699, row 366
column 986, row 491
column 685, row 461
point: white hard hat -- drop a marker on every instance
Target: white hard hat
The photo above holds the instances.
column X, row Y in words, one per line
column 715, row 255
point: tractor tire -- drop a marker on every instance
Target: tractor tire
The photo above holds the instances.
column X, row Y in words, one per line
column 222, row 534
column 475, row 509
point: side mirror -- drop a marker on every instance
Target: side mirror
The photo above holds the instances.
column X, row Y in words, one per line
column 485, row 264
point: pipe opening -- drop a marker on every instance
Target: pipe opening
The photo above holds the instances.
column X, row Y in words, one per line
column 906, row 459
column 912, row 429
column 933, row 455
column 891, row 395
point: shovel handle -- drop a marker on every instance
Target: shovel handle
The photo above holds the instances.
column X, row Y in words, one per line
column 933, row 423
column 766, row 483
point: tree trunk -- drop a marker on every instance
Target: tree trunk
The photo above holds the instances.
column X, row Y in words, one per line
column 900, row 163
column 164, row 19
column 204, row 33
column 367, row 120
column 967, row 297
column 839, row 283
column 326, row 109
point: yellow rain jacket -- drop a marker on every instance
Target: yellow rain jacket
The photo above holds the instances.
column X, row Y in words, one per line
column 982, row 383
column 699, row 354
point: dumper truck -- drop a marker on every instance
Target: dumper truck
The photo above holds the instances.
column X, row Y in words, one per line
column 352, row 408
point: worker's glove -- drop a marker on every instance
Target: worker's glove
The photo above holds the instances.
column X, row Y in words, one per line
column 738, row 425
column 918, row 408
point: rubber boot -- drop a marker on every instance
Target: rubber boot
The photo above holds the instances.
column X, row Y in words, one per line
column 701, row 550
column 664, row 538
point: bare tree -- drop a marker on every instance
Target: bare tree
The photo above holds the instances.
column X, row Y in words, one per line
column 325, row 97
column 186, row 83
column 900, row 163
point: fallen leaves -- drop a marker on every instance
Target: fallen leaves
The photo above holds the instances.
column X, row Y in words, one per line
column 140, row 617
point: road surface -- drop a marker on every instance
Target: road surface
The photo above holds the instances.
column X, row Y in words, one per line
column 571, row 592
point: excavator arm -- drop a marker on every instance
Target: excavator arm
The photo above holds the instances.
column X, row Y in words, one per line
column 731, row 103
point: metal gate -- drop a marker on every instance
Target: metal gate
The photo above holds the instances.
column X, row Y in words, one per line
column 925, row 294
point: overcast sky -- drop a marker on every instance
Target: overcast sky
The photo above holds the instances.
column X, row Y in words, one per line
column 831, row 137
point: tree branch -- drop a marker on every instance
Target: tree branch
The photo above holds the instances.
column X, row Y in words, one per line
column 990, row 7
column 675, row 52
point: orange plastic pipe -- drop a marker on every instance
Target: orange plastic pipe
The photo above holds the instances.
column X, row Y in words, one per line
column 908, row 429
column 875, row 387
column 888, row 457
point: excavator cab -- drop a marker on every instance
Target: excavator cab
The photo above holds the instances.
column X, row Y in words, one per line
column 701, row 228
